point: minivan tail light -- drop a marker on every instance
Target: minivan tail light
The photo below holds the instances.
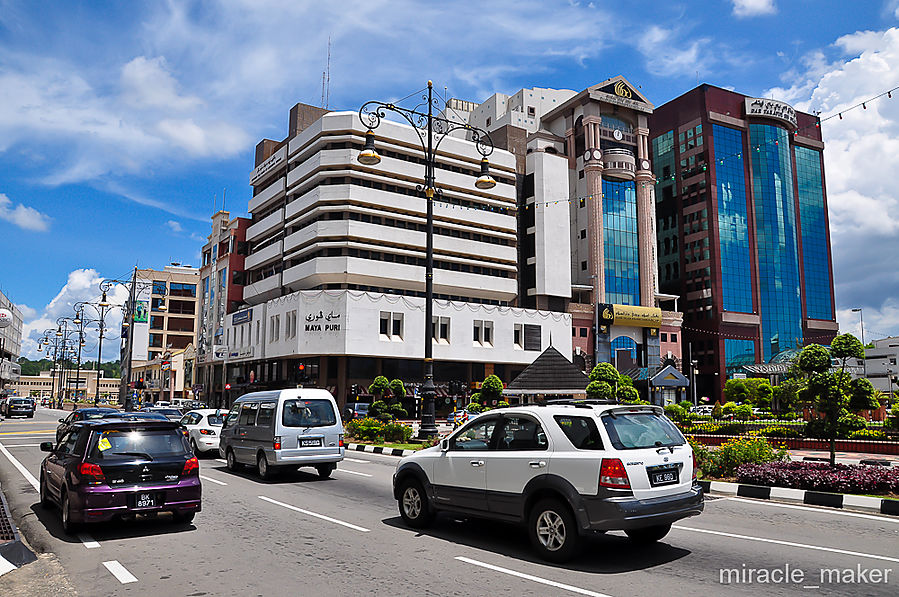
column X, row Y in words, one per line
column 613, row 474
column 340, row 443
column 277, row 443
column 191, row 467
column 91, row 472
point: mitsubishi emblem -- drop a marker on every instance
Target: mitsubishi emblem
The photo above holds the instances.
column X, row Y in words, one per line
column 146, row 470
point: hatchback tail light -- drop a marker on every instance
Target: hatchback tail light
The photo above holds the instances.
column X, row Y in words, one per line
column 277, row 443
column 207, row 432
column 191, row 467
column 613, row 474
column 92, row 473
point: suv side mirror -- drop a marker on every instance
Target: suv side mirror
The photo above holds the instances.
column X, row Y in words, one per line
column 62, row 420
column 444, row 445
column 46, row 446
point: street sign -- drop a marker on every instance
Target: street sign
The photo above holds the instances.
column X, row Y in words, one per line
column 5, row 318
column 166, row 365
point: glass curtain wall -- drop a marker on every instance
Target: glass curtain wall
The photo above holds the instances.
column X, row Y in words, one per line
column 776, row 239
column 813, row 224
column 736, row 354
column 622, row 267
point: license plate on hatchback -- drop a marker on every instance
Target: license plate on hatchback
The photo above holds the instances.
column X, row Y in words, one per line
column 145, row 500
column 662, row 475
column 309, row 442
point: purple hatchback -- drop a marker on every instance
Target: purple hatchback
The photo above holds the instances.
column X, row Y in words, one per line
column 106, row 468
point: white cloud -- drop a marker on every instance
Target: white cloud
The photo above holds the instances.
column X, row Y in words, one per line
column 23, row 216
column 147, row 83
column 81, row 285
column 753, row 8
column 861, row 159
column 667, row 55
column 174, row 226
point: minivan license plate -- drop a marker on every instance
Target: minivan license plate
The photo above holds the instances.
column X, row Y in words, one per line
column 663, row 477
column 145, row 500
column 310, row 441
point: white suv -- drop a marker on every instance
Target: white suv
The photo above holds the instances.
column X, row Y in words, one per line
column 566, row 470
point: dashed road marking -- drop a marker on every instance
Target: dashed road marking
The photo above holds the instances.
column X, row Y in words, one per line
column 88, row 541
column 120, row 572
column 343, row 470
column 537, row 579
column 314, row 514
column 211, row 480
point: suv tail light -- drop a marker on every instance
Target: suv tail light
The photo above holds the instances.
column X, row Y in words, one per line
column 695, row 466
column 207, row 432
column 277, row 443
column 92, row 473
column 613, row 474
column 191, row 467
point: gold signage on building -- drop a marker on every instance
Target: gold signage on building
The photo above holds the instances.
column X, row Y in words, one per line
column 644, row 317
column 621, row 90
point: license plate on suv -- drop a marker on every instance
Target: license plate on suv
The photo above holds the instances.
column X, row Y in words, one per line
column 145, row 500
column 662, row 475
column 309, row 442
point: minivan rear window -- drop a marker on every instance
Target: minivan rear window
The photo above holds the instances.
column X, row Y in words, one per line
column 119, row 444
column 308, row 413
column 632, row 431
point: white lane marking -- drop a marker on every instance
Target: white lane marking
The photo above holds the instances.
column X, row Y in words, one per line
column 313, row 514
column 120, row 572
column 211, row 480
column 822, row 510
column 536, row 579
column 28, row 476
column 88, row 541
column 790, row 544
column 222, row 460
column 6, row 566
column 22, row 445
column 343, row 470
column 347, row 459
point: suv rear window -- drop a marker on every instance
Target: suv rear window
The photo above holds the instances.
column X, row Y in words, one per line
column 308, row 413
column 580, row 431
column 632, row 431
column 115, row 444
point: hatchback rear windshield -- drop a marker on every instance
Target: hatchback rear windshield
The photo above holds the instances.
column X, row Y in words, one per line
column 167, row 411
column 21, row 401
column 631, row 431
column 308, row 413
column 120, row 444
column 215, row 420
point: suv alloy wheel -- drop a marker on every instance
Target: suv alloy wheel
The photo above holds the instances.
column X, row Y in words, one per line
column 414, row 507
column 553, row 531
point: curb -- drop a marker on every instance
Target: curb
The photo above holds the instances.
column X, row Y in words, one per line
column 13, row 553
column 378, row 450
column 802, row 496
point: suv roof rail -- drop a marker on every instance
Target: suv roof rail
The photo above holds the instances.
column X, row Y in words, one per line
column 582, row 402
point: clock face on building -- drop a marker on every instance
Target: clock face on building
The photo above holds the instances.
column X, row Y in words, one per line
column 597, row 154
column 587, row 155
column 645, row 164
column 618, row 135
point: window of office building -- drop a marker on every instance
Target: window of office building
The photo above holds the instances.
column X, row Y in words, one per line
column 440, row 330
column 813, row 224
column 733, row 221
column 622, row 263
column 737, row 353
column 776, row 238
column 391, row 327
column 180, row 289
column 482, row 334
column 159, row 287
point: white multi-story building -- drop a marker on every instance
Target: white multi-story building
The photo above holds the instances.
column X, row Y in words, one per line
column 335, row 275
column 10, row 342
column 880, row 364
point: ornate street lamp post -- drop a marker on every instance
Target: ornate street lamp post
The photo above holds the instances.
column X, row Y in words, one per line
column 431, row 130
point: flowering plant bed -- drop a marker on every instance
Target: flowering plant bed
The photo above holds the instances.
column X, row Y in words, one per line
column 818, row 476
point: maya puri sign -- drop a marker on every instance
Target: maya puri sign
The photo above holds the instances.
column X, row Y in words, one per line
column 629, row 315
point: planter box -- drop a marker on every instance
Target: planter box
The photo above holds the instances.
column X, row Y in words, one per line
column 842, row 445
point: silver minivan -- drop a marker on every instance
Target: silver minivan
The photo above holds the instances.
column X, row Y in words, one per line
column 283, row 429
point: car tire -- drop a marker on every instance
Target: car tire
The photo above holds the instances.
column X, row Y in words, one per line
column 68, row 527
column 183, row 518
column 325, row 470
column 194, row 448
column 46, row 502
column 415, row 509
column 553, row 530
column 231, row 461
column 265, row 471
column 648, row 535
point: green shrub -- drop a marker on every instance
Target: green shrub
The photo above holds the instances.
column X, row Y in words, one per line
column 397, row 432
column 675, row 412
column 789, row 416
column 380, row 410
column 635, row 400
column 628, row 394
column 868, row 434
column 781, row 431
column 717, row 411
column 367, row 429
column 599, row 390
column 685, row 404
column 723, row 461
column 848, row 424
column 475, row 407
column 397, row 411
column 502, row 404
column 729, row 409
column 743, row 412
column 891, row 423
column 730, row 429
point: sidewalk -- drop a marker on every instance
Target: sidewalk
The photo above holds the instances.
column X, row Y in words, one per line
column 845, row 457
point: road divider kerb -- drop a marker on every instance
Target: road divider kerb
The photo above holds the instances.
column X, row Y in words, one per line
column 811, row 498
column 773, row 504
column 379, row 450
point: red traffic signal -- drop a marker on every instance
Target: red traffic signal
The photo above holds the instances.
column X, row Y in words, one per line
column 227, row 386
column 302, row 366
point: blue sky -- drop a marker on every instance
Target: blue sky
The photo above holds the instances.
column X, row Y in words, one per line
column 122, row 123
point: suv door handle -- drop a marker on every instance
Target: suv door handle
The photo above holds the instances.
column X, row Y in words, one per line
column 476, row 463
column 537, row 463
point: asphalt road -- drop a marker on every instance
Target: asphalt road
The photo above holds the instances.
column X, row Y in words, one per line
column 299, row 535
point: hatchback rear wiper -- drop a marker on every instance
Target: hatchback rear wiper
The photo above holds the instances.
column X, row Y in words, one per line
column 144, row 454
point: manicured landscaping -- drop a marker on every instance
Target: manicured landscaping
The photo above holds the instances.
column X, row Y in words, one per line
column 817, row 476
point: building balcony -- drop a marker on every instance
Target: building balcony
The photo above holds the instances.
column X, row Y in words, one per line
column 619, row 163
column 264, row 255
column 266, row 197
column 266, row 224
column 262, row 290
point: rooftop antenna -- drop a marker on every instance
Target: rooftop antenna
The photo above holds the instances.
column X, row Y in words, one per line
column 225, row 190
column 326, row 79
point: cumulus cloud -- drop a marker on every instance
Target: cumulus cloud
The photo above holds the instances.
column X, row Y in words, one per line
column 23, row 216
column 81, row 285
column 174, row 226
column 753, row 8
column 861, row 159
column 668, row 55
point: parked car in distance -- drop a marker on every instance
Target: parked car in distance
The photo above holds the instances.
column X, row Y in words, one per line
column 137, row 416
column 283, row 429
column 105, row 469
column 460, row 416
column 204, row 427
column 172, row 414
column 82, row 414
column 18, row 407
column 563, row 470
column 356, row 410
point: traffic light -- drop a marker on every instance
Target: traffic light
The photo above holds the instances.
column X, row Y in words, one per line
column 301, row 373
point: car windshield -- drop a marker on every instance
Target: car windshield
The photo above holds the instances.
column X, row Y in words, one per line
column 98, row 414
column 308, row 413
column 169, row 412
column 631, row 431
column 215, row 420
column 21, row 401
column 117, row 444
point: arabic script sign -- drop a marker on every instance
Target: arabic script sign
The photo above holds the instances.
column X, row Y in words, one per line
column 771, row 109
column 321, row 322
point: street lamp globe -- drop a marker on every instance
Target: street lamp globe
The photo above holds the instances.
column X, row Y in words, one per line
column 485, row 181
column 369, row 156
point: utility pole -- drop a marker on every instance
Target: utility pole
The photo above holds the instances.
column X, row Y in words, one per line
column 125, row 381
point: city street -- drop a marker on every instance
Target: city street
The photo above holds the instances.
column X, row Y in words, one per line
column 303, row 536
